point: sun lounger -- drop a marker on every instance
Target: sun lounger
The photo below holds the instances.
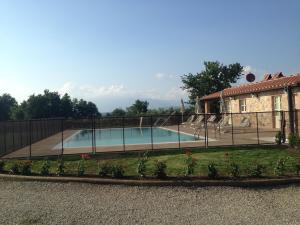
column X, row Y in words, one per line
column 189, row 120
column 198, row 122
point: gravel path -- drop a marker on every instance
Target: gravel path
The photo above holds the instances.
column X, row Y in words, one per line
column 72, row 203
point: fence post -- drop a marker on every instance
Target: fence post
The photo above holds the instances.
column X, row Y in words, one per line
column 5, row 142
column 178, row 132
column 95, row 141
column 30, row 137
column 13, row 134
column 206, row 131
column 232, row 138
column 257, row 131
column 21, row 134
column 62, row 138
column 92, row 126
column 151, row 121
column 123, row 124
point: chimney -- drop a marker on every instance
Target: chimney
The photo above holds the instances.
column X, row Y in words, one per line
column 277, row 75
column 267, row 76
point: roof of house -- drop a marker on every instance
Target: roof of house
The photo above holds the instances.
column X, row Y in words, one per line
column 270, row 82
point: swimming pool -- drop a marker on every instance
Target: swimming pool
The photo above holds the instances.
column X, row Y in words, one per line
column 114, row 136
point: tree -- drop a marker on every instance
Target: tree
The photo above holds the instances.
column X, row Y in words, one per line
column 84, row 109
column 215, row 77
column 51, row 104
column 7, row 103
column 118, row 112
column 138, row 108
column 66, row 106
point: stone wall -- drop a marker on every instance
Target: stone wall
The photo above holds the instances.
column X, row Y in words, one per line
column 262, row 103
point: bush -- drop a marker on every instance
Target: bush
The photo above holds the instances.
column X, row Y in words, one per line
column 257, row 171
column 293, row 140
column 117, row 171
column 26, row 168
column 141, row 167
column 14, row 169
column 279, row 138
column 60, row 171
column 280, row 167
column 2, row 164
column 212, row 170
column 190, row 164
column 160, row 169
column 81, row 168
column 45, row 168
column 105, row 170
column 297, row 168
column 234, row 170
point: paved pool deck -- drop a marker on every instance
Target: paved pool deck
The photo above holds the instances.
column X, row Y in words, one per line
column 216, row 137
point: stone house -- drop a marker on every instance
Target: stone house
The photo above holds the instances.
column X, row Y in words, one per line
column 271, row 98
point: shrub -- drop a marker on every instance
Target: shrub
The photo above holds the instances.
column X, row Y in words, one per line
column 141, row 167
column 297, row 168
column 2, row 164
column 280, row 167
column 190, row 164
column 234, row 170
column 117, row 171
column 257, row 170
column 81, row 168
column 160, row 169
column 212, row 170
column 60, row 171
column 292, row 140
column 45, row 168
column 279, row 138
column 14, row 169
column 25, row 168
column 105, row 170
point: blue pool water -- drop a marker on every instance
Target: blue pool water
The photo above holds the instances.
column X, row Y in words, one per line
column 110, row 137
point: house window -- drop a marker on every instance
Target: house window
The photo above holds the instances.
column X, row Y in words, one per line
column 277, row 103
column 228, row 106
column 243, row 106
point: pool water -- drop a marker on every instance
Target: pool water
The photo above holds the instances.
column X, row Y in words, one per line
column 114, row 136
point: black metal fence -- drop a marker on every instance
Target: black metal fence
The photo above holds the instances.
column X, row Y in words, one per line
column 58, row 136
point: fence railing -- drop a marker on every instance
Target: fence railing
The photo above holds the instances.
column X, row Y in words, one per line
column 58, row 136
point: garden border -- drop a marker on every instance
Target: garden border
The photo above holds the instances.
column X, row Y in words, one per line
column 247, row 182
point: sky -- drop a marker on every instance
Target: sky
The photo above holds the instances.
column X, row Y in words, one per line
column 113, row 52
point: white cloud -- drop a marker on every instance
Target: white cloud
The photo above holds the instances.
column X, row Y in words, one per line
column 248, row 69
column 66, row 88
column 119, row 90
column 160, row 76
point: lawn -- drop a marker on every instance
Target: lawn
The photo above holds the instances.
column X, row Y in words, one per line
column 245, row 157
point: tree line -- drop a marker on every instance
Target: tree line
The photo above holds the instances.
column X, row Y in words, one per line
column 139, row 108
column 214, row 77
column 46, row 105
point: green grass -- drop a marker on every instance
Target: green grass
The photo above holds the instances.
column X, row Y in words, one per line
column 245, row 157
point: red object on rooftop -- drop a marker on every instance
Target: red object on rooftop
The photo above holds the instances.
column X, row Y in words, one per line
column 250, row 77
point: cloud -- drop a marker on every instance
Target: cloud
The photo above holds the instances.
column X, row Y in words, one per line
column 161, row 76
column 66, row 88
column 100, row 91
column 119, row 90
column 247, row 69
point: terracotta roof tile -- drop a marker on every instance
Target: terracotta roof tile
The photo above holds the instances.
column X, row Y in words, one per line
column 276, row 82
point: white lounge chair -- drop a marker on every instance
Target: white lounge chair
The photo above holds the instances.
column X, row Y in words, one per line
column 189, row 120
